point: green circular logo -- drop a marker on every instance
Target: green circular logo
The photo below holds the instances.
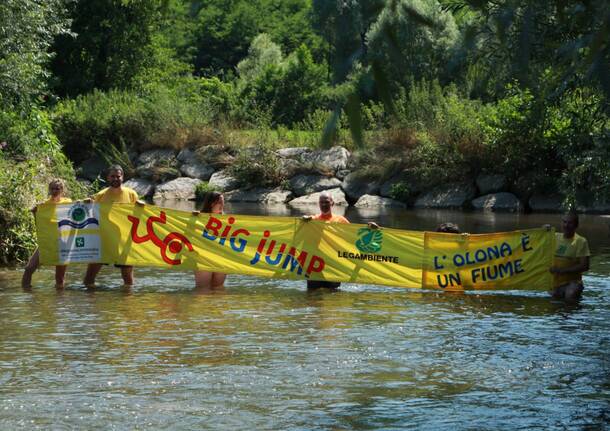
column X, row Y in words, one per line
column 370, row 240
column 78, row 214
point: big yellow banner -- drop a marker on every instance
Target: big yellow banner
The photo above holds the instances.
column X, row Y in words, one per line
column 292, row 248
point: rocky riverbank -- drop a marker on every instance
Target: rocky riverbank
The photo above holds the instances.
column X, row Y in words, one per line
column 167, row 174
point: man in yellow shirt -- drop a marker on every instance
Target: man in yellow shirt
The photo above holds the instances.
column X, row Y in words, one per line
column 116, row 193
column 571, row 260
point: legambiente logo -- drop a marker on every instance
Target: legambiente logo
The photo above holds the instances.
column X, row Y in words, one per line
column 77, row 217
column 369, row 243
column 370, row 240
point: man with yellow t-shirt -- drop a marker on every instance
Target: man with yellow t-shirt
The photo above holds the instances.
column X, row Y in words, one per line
column 115, row 193
column 571, row 260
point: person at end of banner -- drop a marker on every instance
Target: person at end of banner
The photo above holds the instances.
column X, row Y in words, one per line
column 571, row 260
column 57, row 190
column 115, row 193
column 448, row 228
column 213, row 203
column 326, row 203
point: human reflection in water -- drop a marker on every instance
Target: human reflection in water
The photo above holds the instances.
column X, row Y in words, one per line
column 571, row 260
column 213, row 203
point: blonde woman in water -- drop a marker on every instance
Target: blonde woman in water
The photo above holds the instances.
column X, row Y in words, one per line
column 213, row 203
column 57, row 191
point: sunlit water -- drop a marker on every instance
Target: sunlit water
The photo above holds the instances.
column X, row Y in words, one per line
column 266, row 354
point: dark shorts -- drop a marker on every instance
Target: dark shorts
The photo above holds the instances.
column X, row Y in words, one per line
column 116, row 265
column 313, row 284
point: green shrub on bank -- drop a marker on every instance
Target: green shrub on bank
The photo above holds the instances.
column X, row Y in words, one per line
column 202, row 189
column 162, row 119
column 24, row 184
column 27, row 132
column 257, row 166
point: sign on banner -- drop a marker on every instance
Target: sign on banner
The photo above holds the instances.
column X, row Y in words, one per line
column 283, row 247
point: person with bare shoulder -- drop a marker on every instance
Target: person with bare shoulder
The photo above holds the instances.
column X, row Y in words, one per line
column 325, row 203
column 213, row 203
column 115, row 193
column 571, row 260
column 448, row 228
column 57, row 192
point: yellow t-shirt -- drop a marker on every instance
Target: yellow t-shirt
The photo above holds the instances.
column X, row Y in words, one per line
column 61, row 201
column 108, row 195
column 568, row 253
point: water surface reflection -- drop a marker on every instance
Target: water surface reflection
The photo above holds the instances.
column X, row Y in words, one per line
column 267, row 354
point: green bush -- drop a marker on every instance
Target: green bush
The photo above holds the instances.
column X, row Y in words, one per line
column 257, row 166
column 22, row 185
column 400, row 191
column 290, row 90
column 202, row 189
column 26, row 133
column 163, row 119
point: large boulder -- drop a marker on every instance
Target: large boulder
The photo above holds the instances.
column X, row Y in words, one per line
column 259, row 195
column 447, row 196
column 313, row 199
column 294, row 152
column 497, row 202
column 157, row 157
column 342, row 173
column 278, row 197
column 223, row 181
column 292, row 167
column 546, row 203
column 253, row 195
column 91, row 168
column 194, row 169
column 186, row 155
column 217, row 156
column 373, row 201
column 306, row 184
column 355, row 186
column 491, row 183
column 334, row 159
column 180, row 188
column 157, row 165
column 156, row 173
column 143, row 188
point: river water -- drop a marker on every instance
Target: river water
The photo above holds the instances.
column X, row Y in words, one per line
column 265, row 354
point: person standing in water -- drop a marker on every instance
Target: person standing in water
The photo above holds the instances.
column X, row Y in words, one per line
column 325, row 203
column 213, row 203
column 571, row 260
column 116, row 193
column 57, row 191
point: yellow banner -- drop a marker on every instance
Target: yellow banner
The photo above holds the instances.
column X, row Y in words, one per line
column 292, row 248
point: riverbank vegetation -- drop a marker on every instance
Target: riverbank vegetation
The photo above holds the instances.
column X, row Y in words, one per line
column 433, row 90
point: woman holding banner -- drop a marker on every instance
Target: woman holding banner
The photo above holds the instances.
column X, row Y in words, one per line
column 213, row 203
column 57, row 191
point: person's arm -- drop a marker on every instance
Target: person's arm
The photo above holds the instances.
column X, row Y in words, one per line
column 580, row 267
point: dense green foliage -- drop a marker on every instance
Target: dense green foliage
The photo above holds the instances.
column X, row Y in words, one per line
column 429, row 90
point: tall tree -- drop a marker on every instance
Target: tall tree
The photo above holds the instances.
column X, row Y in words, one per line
column 27, row 29
column 113, row 41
